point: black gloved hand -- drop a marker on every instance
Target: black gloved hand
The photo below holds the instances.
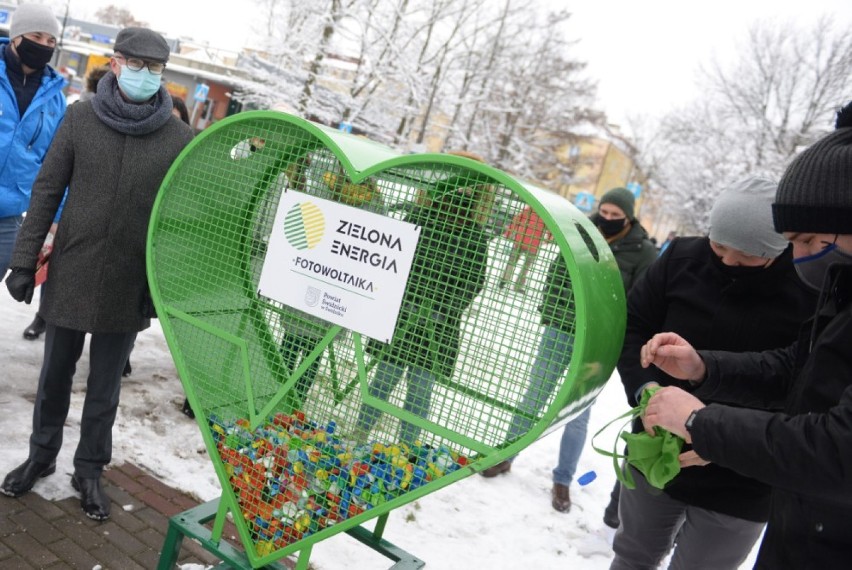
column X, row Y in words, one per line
column 21, row 284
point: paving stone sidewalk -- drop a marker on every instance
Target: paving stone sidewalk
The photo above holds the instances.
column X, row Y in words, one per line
column 37, row 533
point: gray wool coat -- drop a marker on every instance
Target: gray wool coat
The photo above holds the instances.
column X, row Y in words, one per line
column 97, row 279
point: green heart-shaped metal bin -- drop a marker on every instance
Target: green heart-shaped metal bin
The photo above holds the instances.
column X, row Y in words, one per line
column 349, row 325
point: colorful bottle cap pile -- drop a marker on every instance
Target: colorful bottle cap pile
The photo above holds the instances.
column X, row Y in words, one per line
column 294, row 477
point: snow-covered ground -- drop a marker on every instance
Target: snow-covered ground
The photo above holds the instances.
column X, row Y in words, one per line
column 500, row 523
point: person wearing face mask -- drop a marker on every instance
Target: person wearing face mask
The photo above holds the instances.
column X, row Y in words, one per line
column 31, row 109
column 734, row 290
column 633, row 253
column 801, row 451
column 112, row 154
column 626, row 237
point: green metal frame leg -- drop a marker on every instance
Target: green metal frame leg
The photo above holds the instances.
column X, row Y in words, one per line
column 404, row 560
column 192, row 522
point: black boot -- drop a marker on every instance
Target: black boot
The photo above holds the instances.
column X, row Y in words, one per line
column 21, row 479
column 494, row 470
column 94, row 501
column 35, row 328
column 187, row 409
column 127, row 368
column 610, row 517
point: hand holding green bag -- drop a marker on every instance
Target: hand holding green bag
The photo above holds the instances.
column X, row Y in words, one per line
column 656, row 457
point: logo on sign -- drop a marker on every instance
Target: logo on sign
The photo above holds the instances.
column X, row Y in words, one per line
column 312, row 296
column 304, row 226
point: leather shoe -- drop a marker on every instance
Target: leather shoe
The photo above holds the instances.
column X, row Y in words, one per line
column 561, row 498
column 35, row 328
column 494, row 470
column 21, row 479
column 94, row 501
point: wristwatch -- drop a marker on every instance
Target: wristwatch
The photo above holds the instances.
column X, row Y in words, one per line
column 691, row 418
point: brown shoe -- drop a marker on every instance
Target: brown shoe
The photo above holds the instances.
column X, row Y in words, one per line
column 494, row 470
column 561, row 499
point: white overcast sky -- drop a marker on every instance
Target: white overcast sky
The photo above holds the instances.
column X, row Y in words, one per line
column 643, row 53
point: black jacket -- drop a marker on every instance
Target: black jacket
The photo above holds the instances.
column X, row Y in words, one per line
column 805, row 453
column 689, row 291
column 634, row 253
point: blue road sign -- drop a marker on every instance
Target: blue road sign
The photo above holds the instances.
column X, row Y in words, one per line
column 201, row 92
column 345, row 127
column 585, row 201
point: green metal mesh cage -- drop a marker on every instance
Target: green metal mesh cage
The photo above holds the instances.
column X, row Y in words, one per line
column 510, row 322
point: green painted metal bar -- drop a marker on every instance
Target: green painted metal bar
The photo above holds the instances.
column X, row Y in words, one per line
column 192, row 523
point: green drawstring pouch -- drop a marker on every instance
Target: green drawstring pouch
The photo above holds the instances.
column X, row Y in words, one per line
column 656, row 457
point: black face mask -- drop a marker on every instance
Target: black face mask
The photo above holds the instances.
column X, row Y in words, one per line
column 737, row 271
column 610, row 227
column 33, row 54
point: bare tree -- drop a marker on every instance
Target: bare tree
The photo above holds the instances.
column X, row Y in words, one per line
column 116, row 16
column 755, row 113
column 407, row 69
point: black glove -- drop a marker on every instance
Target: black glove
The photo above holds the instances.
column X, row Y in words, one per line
column 21, row 284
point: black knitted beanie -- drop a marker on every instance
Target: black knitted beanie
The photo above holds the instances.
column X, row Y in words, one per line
column 815, row 193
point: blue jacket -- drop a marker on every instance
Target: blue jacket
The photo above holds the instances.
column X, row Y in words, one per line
column 24, row 140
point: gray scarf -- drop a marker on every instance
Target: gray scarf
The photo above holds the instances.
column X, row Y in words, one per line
column 133, row 119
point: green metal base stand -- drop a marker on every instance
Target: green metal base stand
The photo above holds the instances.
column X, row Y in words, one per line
column 192, row 523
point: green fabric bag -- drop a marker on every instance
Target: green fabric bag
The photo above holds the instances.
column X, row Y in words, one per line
column 656, row 457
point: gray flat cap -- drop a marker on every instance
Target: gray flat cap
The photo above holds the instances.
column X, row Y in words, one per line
column 142, row 43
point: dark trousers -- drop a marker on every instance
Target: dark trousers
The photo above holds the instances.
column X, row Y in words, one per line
column 652, row 523
column 62, row 349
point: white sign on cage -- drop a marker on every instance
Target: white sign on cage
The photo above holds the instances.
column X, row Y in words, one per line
column 342, row 264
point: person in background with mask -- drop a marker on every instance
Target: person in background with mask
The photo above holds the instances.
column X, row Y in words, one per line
column 31, row 109
column 112, row 154
column 802, row 451
column 633, row 253
column 734, row 290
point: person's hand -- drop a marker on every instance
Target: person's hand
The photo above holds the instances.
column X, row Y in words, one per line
column 691, row 459
column 673, row 355
column 669, row 408
column 21, row 284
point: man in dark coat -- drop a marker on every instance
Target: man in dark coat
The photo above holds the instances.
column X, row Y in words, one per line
column 802, row 451
column 112, row 154
column 734, row 290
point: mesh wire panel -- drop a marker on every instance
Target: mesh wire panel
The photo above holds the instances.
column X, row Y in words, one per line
column 310, row 425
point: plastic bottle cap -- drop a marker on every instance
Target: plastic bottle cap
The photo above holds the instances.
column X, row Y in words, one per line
column 587, row 478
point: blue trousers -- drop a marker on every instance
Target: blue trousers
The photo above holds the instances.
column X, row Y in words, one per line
column 9, row 227
column 418, row 397
column 552, row 359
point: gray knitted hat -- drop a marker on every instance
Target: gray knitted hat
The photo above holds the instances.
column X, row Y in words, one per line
column 815, row 193
column 29, row 18
column 623, row 198
column 741, row 218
